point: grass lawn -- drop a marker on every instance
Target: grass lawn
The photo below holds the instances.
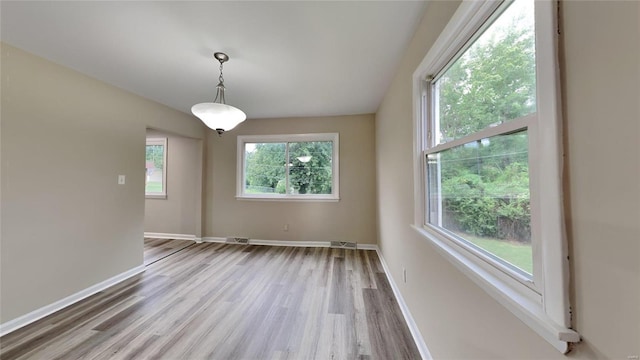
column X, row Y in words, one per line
column 517, row 254
column 153, row 186
column 256, row 191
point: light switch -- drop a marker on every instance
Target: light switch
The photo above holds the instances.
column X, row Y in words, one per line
column 121, row 179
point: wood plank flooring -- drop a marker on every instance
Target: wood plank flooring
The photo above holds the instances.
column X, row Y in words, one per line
column 157, row 249
column 228, row 301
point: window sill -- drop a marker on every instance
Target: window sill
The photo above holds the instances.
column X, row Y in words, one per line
column 156, row 196
column 287, row 198
column 527, row 309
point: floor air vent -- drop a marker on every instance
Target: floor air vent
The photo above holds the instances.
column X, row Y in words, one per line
column 237, row 240
column 343, row 245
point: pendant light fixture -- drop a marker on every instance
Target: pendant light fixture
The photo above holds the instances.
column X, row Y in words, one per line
column 218, row 115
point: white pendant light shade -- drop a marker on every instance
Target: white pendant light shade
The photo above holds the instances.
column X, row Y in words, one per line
column 218, row 116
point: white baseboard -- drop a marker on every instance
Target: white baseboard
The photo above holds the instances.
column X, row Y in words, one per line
column 214, row 239
column 368, row 247
column 413, row 327
column 171, row 236
column 38, row 314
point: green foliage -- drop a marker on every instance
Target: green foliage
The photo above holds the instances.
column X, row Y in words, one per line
column 466, row 202
column 485, row 185
column 267, row 164
column 485, row 188
column 314, row 175
column 493, row 82
column 155, row 153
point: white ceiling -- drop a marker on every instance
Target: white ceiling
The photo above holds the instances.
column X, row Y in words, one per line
column 288, row 58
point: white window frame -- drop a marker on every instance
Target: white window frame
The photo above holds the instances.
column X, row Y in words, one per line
column 163, row 143
column 543, row 301
column 289, row 138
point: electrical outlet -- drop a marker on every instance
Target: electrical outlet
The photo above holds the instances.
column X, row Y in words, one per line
column 121, row 179
column 285, row 227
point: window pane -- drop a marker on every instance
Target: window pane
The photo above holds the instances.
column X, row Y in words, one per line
column 155, row 169
column 479, row 192
column 493, row 81
column 310, row 170
column 265, row 168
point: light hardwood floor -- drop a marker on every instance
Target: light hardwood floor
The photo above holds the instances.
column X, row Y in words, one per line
column 158, row 249
column 224, row 301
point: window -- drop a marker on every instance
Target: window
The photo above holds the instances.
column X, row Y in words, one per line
column 488, row 158
column 288, row 167
column 156, row 174
column 478, row 181
column 479, row 195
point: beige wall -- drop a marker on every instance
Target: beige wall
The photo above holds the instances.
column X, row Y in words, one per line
column 350, row 219
column 65, row 137
column 602, row 93
column 601, row 89
column 67, row 225
column 180, row 212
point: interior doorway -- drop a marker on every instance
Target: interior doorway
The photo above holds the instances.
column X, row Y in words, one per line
column 173, row 193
